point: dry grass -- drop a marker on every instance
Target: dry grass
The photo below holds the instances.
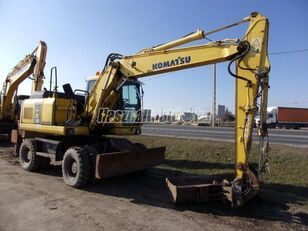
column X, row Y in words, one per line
column 289, row 165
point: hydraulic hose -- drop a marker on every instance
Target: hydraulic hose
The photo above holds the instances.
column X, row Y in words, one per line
column 244, row 48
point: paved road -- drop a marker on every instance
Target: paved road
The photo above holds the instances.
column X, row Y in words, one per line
column 280, row 136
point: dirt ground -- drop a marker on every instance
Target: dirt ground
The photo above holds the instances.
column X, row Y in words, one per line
column 41, row 201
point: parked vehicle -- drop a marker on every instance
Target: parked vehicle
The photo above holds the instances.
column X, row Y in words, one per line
column 286, row 117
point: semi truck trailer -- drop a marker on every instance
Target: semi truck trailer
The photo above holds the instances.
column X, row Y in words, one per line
column 286, row 117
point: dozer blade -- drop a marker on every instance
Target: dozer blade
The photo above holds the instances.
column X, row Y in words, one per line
column 118, row 163
column 197, row 189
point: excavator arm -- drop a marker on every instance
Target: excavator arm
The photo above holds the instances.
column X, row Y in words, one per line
column 32, row 64
column 250, row 57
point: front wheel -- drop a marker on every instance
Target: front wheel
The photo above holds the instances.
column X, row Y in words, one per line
column 76, row 167
column 29, row 161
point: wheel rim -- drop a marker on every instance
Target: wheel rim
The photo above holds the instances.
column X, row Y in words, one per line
column 70, row 167
column 74, row 168
column 25, row 155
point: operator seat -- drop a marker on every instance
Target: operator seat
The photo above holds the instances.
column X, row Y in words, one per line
column 68, row 91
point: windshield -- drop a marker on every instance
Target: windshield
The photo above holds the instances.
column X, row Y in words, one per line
column 131, row 96
column 130, row 102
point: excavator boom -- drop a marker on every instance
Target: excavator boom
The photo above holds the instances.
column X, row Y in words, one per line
column 32, row 64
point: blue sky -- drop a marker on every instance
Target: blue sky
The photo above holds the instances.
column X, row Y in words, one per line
column 80, row 35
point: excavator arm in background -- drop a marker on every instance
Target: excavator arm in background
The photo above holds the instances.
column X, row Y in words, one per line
column 32, row 64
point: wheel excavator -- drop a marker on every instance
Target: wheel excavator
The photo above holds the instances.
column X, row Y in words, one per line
column 32, row 66
column 84, row 128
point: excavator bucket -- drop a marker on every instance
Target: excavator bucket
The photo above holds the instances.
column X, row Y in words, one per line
column 197, row 189
column 130, row 158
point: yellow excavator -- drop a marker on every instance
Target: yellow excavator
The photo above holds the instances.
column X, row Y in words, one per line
column 83, row 129
column 33, row 64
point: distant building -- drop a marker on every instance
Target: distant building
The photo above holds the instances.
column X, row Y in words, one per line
column 146, row 115
column 221, row 111
column 167, row 118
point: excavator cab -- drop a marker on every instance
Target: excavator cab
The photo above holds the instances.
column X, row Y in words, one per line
column 128, row 107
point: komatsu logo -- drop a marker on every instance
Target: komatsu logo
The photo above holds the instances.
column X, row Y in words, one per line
column 171, row 63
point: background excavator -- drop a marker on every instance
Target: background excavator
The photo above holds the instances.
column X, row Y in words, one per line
column 75, row 126
column 33, row 64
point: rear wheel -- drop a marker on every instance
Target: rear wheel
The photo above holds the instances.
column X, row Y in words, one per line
column 29, row 161
column 76, row 167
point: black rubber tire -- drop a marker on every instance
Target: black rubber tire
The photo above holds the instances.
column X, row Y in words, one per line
column 76, row 167
column 45, row 162
column 92, row 152
column 29, row 161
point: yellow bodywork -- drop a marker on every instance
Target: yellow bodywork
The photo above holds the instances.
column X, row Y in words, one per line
column 49, row 116
column 55, row 130
column 46, row 111
column 255, row 63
